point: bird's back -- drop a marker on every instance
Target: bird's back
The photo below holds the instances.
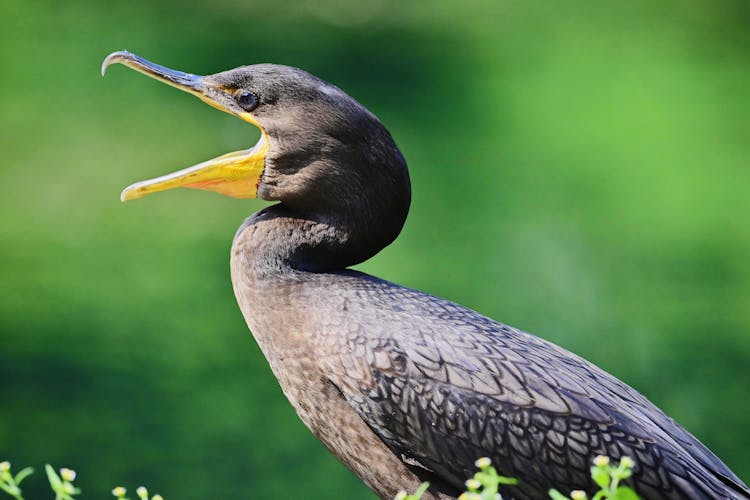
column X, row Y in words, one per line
column 442, row 385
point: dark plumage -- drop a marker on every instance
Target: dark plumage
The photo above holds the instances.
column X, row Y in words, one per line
column 402, row 386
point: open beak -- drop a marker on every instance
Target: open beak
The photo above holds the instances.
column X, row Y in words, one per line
column 234, row 174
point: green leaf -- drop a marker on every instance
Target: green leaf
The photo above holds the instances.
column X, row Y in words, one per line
column 625, row 493
column 421, row 490
column 556, row 495
column 53, row 478
column 600, row 477
column 23, row 474
column 10, row 489
column 507, row 480
column 483, row 477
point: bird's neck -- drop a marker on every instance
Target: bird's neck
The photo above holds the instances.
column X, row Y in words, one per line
column 281, row 240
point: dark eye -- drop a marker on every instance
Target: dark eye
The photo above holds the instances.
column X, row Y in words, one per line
column 247, row 100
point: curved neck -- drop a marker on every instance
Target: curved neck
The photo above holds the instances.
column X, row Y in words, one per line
column 281, row 239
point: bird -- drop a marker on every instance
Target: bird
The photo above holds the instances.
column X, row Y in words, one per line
column 400, row 385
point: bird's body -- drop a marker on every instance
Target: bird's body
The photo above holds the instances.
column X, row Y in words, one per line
column 400, row 385
column 403, row 386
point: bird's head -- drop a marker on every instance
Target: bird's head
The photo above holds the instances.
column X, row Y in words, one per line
column 318, row 146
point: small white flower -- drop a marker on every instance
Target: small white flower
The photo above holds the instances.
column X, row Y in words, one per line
column 400, row 495
column 578, row 495
column 626, row 462
column 119, row 491
column 142, row 493
column 4, row 466
column 157, row 497
column 483, row 462
column 473, row 484
column 68, row 474
column 601, row 461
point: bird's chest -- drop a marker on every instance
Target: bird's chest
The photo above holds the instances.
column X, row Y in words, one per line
column 298, row 339
column 283, row 325
column 281, row 333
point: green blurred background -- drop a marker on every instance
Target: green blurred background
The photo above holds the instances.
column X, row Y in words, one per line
column 580, row 170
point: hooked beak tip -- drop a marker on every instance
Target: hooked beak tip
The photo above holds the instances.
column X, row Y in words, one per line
column 114, row 58
column 184, row 81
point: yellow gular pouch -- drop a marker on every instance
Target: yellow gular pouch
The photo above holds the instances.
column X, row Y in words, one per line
column 235, row 174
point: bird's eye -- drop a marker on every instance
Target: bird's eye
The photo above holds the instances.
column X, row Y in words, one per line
column 247, row 100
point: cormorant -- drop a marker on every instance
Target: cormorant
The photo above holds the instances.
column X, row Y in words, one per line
column 400, row 385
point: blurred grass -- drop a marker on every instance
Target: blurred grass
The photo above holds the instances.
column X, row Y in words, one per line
column 580, row 170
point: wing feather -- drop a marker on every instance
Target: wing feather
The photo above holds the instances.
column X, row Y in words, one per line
column 447, row 385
